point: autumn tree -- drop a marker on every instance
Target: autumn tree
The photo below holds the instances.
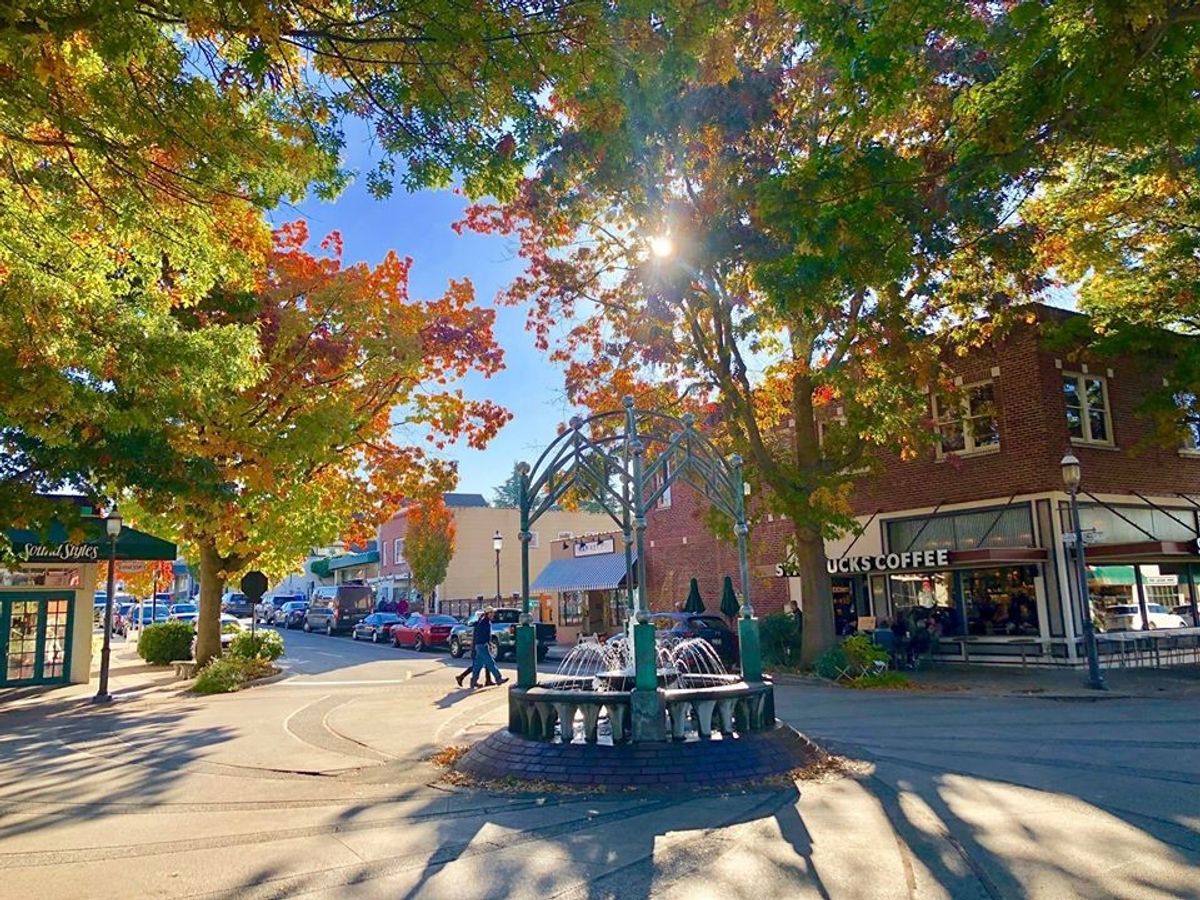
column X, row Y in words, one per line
column 141, row 144
column 352, row 378
column 731, row 227
column 429, row 545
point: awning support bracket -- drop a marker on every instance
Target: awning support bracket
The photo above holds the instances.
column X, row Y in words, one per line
column 1167, row 513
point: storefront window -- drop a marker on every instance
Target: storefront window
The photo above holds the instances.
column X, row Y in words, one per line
column 60, row 576
column 919, row 596
column 1141, row 598
column 571, row 611
column 1000, row 601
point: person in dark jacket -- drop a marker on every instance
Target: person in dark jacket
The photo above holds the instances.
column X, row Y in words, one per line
column 487, row 675
column 482, row 646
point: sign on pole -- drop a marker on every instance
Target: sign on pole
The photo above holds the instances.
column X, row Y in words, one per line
column 253, row 585
column 1090, row 536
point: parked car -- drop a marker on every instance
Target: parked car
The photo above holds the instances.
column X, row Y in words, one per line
column 712, row 628
column 184, row 609
column 375, row 627
column 189, row 617
column 1128, row 617
column 144, row 614
column 265, row 610
column 291, row 615
column 100, row 599
column 422, row 632
column 338, row 608
column 1185, row 612
column 237, row 604
column 504, row 634
column 231, row 627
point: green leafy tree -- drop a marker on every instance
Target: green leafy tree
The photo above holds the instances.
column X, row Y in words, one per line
column 140, row 145
column 508, row 494
column 736, row 230
column 429, row 544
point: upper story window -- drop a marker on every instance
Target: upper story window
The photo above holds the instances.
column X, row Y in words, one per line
column 1089, row 419
column 398, row 551
column 1187, row 404
column 663, row 502
column 967, row 422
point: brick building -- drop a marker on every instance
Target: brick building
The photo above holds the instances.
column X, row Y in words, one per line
column 972, row 531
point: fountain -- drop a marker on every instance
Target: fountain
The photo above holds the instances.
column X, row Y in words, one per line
column 641, row 708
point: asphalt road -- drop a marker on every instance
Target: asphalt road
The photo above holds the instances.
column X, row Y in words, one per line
column 338, row 657
column 320, row 785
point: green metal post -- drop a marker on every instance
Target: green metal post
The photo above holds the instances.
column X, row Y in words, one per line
column 526, row 649
column 749, row 642
column 647, row 721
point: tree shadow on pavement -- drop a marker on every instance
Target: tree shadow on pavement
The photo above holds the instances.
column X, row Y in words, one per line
column 74, row 761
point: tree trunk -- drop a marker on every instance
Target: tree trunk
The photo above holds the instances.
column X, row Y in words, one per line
column 208, row 622
column 815, row 590
column 816, row 596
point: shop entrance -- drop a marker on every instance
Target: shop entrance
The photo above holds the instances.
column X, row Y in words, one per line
column 35, row 638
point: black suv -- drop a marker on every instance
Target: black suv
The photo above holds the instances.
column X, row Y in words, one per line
column 338, row 608
column 237, row 604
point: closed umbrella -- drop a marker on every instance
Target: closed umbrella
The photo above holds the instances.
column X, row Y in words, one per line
column 694, row 604
column 729, row 601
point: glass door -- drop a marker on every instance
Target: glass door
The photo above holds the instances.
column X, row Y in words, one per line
column 35, row 639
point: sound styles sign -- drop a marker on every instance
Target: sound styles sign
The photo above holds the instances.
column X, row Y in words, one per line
column 883, row 562
column 64, row 552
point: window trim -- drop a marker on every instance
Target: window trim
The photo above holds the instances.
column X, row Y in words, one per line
column 963, row 398
column 1085, row 410
column 663, row 502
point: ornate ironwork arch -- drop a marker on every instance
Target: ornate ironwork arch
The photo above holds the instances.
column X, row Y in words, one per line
column 604, row 457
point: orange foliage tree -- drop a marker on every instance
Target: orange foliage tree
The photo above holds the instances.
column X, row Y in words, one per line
column 352, row 382
column 429, row 544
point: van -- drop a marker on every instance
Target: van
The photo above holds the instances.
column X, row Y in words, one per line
column 338, row 608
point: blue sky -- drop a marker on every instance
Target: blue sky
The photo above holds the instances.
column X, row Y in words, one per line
column 418, row 225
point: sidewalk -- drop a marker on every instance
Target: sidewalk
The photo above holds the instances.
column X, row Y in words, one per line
column 1067, row 684
column 128, row 676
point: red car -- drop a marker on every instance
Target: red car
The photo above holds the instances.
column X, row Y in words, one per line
column 419, row 631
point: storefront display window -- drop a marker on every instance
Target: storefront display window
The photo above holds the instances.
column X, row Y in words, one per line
column 59, row 576
column 923, row 595
column 571, row 611
column 1151, row 596
column 1000, row 601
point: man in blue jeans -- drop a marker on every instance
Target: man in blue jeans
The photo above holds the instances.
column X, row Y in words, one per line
column 482, row 646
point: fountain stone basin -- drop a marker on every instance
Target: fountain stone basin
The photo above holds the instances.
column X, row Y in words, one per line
column 626, row 679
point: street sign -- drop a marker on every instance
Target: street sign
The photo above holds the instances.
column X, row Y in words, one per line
column 1090, row 536
column 253, row 585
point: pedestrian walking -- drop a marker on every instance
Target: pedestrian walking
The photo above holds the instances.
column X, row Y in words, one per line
column 487, row 676
column 482, row 646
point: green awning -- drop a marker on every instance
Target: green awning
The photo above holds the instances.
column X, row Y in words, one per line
column 1112, row 574
column 89, row 544
column 350, row 560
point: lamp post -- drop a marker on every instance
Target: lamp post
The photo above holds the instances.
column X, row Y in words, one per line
column 112, row 527
column 1072, row 475
column 497, row 545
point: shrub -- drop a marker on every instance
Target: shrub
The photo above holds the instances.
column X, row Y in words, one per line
column 855, row 657
column 165, row 642
column 257, row 645
column 895, row 681
column 832, row 663
column 227, row 674
column 780, row 636
column 864, row 655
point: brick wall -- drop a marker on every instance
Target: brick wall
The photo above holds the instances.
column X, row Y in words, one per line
column 1033, row 439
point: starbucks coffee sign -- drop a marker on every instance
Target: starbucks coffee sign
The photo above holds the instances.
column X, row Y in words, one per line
column 884, row 562
column 64, row 552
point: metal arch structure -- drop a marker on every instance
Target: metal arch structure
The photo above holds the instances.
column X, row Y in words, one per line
column 604, row 457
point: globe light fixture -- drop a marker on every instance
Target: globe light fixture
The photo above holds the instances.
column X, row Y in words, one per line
column 1071, row 472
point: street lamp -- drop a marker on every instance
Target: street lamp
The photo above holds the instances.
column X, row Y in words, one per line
column 497, row 545
column 1072, row 475
column 112, row 527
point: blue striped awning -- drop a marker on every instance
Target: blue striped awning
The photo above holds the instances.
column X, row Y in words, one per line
column 584, row 573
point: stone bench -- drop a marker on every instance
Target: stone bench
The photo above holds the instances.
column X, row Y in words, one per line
column 184, row 668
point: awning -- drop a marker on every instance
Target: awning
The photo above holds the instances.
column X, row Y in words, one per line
column 88, row 544
column 584, row 573
column 350, row 560
column 1142, row 550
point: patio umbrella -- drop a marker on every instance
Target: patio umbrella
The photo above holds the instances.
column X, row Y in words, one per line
column 729, row 601
column 694, row 604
